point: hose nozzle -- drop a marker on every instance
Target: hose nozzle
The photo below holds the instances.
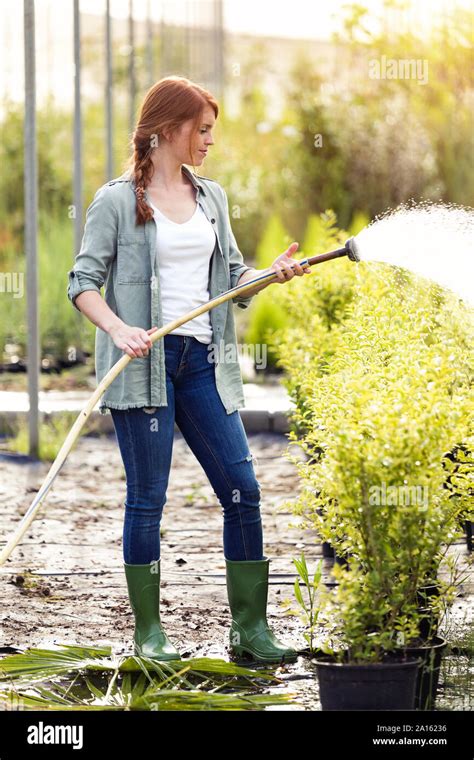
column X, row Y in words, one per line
column 352, row 249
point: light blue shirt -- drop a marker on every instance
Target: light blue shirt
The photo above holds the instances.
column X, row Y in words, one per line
column 121, row 256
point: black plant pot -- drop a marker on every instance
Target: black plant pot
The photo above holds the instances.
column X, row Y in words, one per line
column 428, row 625
column 388, row 685
column 425, row 593
column 330, row 553
column 469, row 528
column 328, row 550
column 310, row 653
column 342, row 560
column 430, row 653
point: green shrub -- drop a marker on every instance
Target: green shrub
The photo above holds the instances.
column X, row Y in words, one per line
column 313, row 306
column 392, row 396
column 266, row 314
column 52, row 434
column 61, row 325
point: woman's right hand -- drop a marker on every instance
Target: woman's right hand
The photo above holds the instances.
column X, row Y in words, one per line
column 134, row 341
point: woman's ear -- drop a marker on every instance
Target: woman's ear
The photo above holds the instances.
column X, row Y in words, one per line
column 165, row 134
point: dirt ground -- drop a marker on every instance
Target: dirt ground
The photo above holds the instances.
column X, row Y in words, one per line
column 65, row 582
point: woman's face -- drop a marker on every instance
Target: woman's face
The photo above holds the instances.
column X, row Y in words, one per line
column 200, row 142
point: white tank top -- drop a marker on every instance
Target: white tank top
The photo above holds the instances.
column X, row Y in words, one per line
column 184, row 253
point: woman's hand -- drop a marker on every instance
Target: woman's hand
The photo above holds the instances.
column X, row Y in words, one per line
column 133, row 340
column 286, row 268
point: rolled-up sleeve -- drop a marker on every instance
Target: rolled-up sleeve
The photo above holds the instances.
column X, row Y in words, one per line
column 236, row 260
column 98, row 246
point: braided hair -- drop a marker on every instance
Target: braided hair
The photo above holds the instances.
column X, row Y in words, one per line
column 142, row 173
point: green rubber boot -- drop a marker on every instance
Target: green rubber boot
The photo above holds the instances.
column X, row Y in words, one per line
column 150, row 640
column 247, row 591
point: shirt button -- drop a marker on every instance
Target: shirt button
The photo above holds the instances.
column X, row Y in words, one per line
column 213, row 221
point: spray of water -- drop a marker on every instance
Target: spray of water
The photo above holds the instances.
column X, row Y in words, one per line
column 432, row 240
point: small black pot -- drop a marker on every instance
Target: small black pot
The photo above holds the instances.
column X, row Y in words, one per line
column 430, row 653
column 424, row 593
column 388, row 685
column 429, row 620
column 328, row 550
column 428, row 625
column 311, row 654
column 330, row 553
column 469, row 528
column 342, row 560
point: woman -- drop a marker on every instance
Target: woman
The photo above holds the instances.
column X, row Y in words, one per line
column 160, row 238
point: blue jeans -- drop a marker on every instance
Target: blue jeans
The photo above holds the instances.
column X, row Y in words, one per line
column 217, row 439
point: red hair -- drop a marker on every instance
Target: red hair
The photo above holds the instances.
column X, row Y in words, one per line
column 167, row 104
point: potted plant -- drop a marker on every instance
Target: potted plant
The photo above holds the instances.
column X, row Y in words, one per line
column 392, row 398
column 364, row 668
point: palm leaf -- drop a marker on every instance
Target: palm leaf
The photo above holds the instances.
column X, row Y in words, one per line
column 35, row 682
column 168, row 699
column 44, row 663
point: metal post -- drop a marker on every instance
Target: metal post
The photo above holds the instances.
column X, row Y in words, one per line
column 77, row 193
column 109, row 127
column 149, row 46
column 219, row 48
column 188, row 38
column 131, row 67
column 163, row 45
column 31, row 226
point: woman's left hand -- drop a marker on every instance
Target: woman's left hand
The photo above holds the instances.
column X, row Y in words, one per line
column 286, row 267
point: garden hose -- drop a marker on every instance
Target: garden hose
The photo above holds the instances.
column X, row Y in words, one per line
column 349, row 250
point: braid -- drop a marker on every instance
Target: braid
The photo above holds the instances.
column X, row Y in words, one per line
column 142, row 171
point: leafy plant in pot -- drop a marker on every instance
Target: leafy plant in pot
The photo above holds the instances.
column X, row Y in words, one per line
column 366, row 669
column 383, row 617
column 395, row 395
column 432, row 597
